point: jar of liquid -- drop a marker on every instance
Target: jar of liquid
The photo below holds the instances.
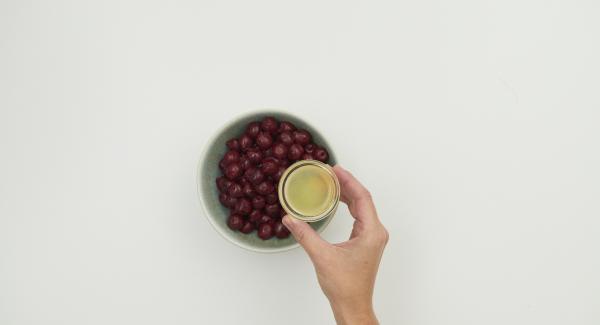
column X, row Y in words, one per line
column 309, row 190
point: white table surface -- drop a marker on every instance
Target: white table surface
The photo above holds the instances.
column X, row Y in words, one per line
column 474, row 124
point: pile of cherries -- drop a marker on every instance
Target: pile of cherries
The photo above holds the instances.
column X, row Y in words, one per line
column 251, row 169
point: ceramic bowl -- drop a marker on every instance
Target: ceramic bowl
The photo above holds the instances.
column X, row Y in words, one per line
column 208, row 170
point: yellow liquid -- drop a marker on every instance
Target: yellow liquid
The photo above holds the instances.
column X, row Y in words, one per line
column 310, row 190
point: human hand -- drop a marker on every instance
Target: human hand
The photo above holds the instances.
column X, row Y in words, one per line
column 347, row 271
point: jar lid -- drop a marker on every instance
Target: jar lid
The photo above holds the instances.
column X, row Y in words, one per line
column 309, row 190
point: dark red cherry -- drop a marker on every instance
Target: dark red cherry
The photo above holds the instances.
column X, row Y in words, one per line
column 231, row 157
column 279, row 173
column 265, row 188
column 271, row 198
column 280, row 151
column 253, row 129
column 265, row 219
column 302, row 137
column 272, row 210
column 295, row 152
column 254, row 175
column 255, row 156
column 280, row 230
column 255, row 215
column 264, row 140
column 247, row 228
column 235, row 221
column 222, row 165
column 265, row 231
column 307, row 156
column 286, row 138
column 233, row 171
column 246, row 142
column 310, row 148
column 235, row 190
column 233, row 144
column 269, row 167
column 243, row 206
column 248, row 190
column 286, row 126
column 321, row 154
column 223, row 198
column 258, row 202
column 223, row 183
column 245, row 163
column 231, row 202
column 269, row 124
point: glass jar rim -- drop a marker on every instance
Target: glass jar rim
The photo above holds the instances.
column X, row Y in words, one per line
column 287, row 207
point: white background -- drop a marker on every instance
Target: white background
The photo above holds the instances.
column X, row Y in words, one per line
column 473, row 123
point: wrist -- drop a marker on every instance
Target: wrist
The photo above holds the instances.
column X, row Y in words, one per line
column 354, row 312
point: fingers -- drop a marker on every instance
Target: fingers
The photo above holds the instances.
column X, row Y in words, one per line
column 306, row 236
column 356, row 196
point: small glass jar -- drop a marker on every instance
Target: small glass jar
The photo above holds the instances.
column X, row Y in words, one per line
column 309, row 190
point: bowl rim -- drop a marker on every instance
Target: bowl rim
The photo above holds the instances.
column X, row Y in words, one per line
column 202, row 161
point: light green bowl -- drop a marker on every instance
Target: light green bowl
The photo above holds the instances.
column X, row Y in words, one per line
column 208, row 170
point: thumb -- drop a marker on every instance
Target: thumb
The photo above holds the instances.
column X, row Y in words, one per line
column 305, row 235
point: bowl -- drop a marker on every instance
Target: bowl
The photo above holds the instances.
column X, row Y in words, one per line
column 208, row 170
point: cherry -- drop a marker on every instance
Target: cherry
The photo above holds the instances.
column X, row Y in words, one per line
column 286, row 127
column 302, row 137
column 231, row 157
column 265, row 188
column 254, row 175
column 246, row 142
column 230, row 202
column 233, row 171
column 265, row 231
column 286, row 138
column 271, row 198
column 247, row 228
column 253, row 129
column 280, row 230
column 321, row 154
column 265, row 219
column 307, row 156
column 222, row 164
column 269, row 124
column 223, row 197
column 243, row 207
column 255, row 215
column 248, row 190
column 235, row 190
column 233, row 144
column 235, row 221
column 295, row 152
column 258, row 202
column 279, row 173
column 269, row 168
column 280, row 150
column 310, row 148
column 272, row 209
column 254, row 156
column 284, row 163
column 245, row 163
column 270, row 159
column 223, row 183
column 264, row 140
column 269, row 153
